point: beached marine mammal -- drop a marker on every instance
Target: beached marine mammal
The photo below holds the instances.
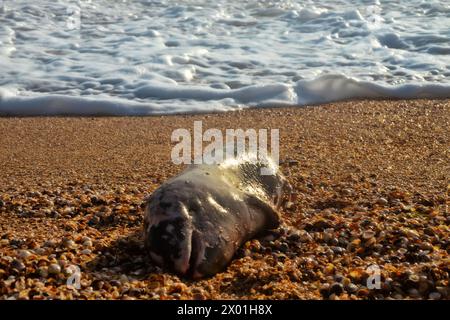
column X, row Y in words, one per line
column 195, row 222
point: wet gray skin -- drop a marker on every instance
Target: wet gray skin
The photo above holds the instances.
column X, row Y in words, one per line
column 195, row 222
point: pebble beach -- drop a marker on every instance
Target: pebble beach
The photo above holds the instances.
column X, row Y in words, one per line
column 372, row 187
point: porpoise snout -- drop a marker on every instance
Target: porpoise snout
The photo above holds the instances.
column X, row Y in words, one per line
column 170, row 237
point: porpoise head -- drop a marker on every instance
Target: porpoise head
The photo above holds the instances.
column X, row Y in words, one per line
column 172, row 239
column 168, row 231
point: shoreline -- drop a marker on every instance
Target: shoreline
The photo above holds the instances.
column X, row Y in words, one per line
column 372, row 181
column 219, row 112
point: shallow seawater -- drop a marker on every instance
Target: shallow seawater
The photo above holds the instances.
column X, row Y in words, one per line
column 145, row 57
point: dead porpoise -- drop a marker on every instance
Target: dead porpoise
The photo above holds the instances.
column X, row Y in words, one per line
column 195, row 222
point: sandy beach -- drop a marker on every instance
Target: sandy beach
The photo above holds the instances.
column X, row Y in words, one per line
column 371, row 179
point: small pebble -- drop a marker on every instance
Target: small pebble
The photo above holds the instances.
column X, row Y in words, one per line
column 54, row 268
column 295, row 236
column 414, row 293
column 337, row 288
column 18, row 265
column 368, row 234
column 413, row 279
column 434, row 296
column 284, row 247
column 325, row 290
column 87, row 243
column 123, row 279
column 24, row 254
column 351, row 288
column 40, row 251
column 43, row 272
column 347, row 192
column 69, row 244
column 306, row 237
column 370, row 242
column 50, row 244
column 338, row 278
column 442, row 290
column 176, row 296
column 427, row 246
column 397, row 296
column 67, row 211
column 363, row 292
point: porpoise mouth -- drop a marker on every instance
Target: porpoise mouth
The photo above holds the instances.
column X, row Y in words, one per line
column 169, row 244
column 176, row 245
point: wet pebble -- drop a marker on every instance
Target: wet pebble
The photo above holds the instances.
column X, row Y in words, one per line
column 337, row 288
column 363, row 292
column 295, row 236
column 123, row 279
column 351, row 288
column 50, row 244
column 325, row 290
column 176, row 296
column 368, row 235
column 382, row 202
column 414, row 293
column 87, row 243
column 24, row 254
column 347, row 192
column 54, row 268
column 69, row 244
column 434, row 296
column 18, row 265
column 306, row 237
column 426, row 246
column 370, row 242
column 442, row 290
column 414, row 278
column 43, row 271
column 40, row 251
column 86, row 251
column 283, row 247
column 338, row 250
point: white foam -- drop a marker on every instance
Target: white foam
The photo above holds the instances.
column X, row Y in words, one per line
column 155, row 57
column 177, row 99
column 331, row 88
column 248, row 95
